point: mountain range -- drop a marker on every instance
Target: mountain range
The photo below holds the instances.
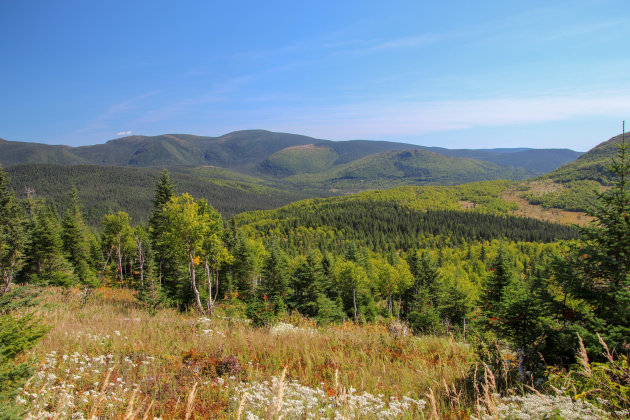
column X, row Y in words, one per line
column 253, row 169
column 261, row 152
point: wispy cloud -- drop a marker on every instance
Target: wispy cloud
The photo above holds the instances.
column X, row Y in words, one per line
column 218, row 94
column 123, row 108
column 124, row 133
column 387, row 120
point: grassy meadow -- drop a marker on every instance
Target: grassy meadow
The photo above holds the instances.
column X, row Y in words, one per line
column 106, row 357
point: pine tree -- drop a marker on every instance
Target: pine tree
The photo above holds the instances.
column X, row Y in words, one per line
column 501, row 274
column 13, row 238
column 76, row 241
column 601, row 262
column 424, row 313
column 275, row 278
column 46, row 261
column 18, row 333
column 166, row 267
column 307, row 283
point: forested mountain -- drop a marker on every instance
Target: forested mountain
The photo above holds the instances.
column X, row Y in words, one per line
column 593, row 165
column 261, row 152
column 535, row 161
column 108, row 189
column 409, row 167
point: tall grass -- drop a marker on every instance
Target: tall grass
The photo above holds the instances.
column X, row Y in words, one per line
column 106, row 357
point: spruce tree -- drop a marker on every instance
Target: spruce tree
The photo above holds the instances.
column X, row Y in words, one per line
column 165, row 265
column 275, row 278
column 47, row 263
column 501, row 274
column 19, row 331
column 601, row 262
column 13, row 237
column 76, row 241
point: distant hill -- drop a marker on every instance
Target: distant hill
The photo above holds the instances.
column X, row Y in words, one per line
column 263, row 153
column 107, row 189
column 409, row 167
column 590, row 166
column 535, row 161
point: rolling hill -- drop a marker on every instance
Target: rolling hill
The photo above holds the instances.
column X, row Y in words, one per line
column 592, row 165
column 250, row 169
column 257, row 152
column 107, row 189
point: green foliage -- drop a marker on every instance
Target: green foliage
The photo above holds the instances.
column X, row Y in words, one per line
column 117, row 239
column 605, row 384
column 18, row 333
column 13, row 238
column 409, row 167
column 593, row 165
column 298, row 160
column 596, row 275
column 573, row 195
column 109, row 189
column 46, row 262
column 262, row 312
column 398, row 219
column 76, row 241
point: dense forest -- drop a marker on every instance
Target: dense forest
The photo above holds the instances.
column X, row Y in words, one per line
column 538, row 288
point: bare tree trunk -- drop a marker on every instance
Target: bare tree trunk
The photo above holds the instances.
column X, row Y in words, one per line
column 209, row 278
column 140, row 260
column 7, row 274
column 193, row 280
column 106, row 261
column 7, row 281
column 119, row 255
column 216, row 284
column 354, row 301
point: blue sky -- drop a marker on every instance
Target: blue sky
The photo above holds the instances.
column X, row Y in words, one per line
column 454, row 74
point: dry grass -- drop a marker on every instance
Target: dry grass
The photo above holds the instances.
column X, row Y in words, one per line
column 526, row 209
column 110, row 359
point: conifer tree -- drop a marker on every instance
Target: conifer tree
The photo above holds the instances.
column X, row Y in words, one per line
column 166, row 267
column 424, row 306
column 307, row 283
column 501, row 274
column 46, row 260
column 18, row 333
column 275, row 278
column 601, row 262
column 13, row 238
column 76, row 241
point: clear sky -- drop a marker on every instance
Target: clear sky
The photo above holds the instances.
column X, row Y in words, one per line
column 453, row 74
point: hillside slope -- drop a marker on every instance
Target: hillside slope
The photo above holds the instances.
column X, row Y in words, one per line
column 590, row 166
column 409, row 167
column 107, row 189
column 255, row 152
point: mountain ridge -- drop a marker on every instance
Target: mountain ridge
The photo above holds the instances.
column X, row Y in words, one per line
column 245, row 151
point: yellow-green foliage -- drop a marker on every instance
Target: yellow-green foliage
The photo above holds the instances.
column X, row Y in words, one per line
column 302, row 159
column 573, row 195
